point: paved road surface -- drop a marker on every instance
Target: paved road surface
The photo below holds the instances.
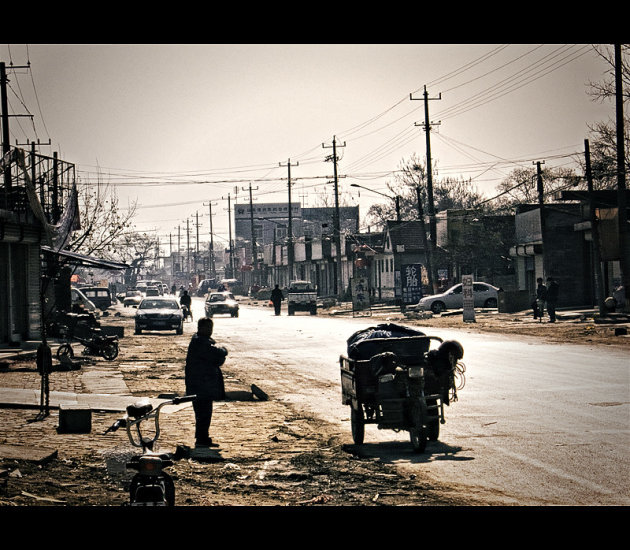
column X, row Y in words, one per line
column 535, row 424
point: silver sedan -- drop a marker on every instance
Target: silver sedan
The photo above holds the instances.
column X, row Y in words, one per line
column 484, row 295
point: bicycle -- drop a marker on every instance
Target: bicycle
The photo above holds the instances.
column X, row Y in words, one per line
column 151, row 485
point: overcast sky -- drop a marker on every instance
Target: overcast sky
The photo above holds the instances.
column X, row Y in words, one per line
column 177, row 126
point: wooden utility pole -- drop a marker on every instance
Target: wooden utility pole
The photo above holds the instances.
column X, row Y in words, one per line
column 290, row 250
column 336, row 218
column 431, row 205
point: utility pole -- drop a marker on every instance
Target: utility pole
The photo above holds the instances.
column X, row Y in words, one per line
column 599, row 286
column 212, row 264
column 6, row 147
column 290, row 241
column 188, row 247
column 427, row 130
column 541, row 206
column 179, row 248
column 170, row 249
column 4, row 116
column 254, row 248
column 624, row 234
column 230, row 237
column 336, row 220
column 196, row 255
column 427, row 250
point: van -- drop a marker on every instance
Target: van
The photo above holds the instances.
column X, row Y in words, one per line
column 78, row 298
column 99, row 295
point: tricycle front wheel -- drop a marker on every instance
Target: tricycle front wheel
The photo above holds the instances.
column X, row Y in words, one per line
column 419, row 433
column 357, row 422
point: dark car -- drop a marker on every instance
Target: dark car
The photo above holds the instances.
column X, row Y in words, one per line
column 221, row 302
column 159, row 314
column 205, row 285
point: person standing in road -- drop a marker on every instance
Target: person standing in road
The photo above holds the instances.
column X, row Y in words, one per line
column 541, row 297
column 204, row 378
column 276, row 299
column 552, row 298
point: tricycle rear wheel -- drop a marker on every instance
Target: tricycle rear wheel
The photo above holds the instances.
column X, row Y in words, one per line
column 357, row 422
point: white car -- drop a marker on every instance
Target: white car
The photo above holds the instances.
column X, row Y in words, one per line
column 159, row 314
column 484, row 295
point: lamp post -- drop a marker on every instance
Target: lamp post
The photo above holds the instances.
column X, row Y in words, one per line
column 396, row 199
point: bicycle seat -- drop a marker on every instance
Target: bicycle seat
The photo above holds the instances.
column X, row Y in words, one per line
column 139, row 408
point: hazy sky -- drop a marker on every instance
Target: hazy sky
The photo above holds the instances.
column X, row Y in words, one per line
column 176, row 126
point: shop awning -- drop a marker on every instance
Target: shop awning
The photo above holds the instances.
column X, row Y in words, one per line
column 81, row 259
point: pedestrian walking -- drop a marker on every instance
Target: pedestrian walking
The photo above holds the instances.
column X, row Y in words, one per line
column 552, row 298
column 204, row 378
column 541, row 297
column 276, row 299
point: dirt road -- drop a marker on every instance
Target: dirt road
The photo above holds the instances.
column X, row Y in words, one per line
column 269, row 454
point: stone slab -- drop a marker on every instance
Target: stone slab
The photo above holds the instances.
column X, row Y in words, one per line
column 23, row 452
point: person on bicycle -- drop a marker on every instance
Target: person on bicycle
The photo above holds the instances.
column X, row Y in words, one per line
column 204, row 378
column 185, row 302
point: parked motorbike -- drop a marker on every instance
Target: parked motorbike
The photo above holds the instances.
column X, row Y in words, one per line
column 151, row 485
column 97, row 345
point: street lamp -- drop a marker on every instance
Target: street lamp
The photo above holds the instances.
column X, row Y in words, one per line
column 396, row 199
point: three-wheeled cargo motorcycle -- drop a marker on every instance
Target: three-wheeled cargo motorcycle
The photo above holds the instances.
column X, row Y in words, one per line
column 391, row 377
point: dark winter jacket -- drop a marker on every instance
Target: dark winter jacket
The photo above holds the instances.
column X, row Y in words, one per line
column 203, row 375
column 552, row 292
column 276, row 296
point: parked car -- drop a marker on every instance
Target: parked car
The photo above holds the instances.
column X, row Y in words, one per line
column 141, row 286
column 132, row 298
column 159, row 313
column 221, row 302
column 98, row 295
column 484, row 295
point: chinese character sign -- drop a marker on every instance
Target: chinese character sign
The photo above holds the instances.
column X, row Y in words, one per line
column 411, row 282
column 468, row 298
column 360, row 293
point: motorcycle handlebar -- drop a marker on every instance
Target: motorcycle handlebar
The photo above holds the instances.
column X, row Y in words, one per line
column 122, row 422
column 185, row 399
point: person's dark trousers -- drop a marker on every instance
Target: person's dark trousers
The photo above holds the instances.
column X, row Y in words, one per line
column 203, row 415
column 551, row 309
column 277, row 308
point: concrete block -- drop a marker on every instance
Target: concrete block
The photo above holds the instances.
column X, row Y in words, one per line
column 75, row 419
